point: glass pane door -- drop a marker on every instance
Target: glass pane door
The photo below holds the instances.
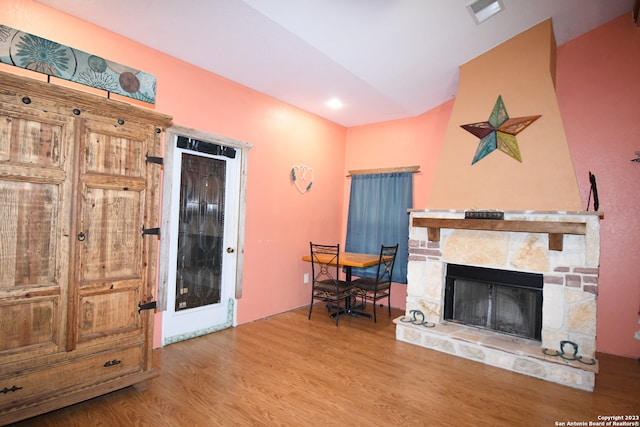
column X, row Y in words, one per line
column 200, row 232
column 201, row 204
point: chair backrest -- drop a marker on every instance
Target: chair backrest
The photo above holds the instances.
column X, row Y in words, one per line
column 387, row 261
column 324, row 260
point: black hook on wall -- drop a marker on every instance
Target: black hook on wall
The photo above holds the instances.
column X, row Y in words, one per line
column 593, row 191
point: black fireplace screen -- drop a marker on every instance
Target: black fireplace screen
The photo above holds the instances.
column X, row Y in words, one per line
column 509, row 302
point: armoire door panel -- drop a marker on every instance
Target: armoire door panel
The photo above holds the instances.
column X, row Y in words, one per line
column 28, row 243
column 112, row 226
column 35, row 195
column 109, row 313
column 114, row 151
column 32, row 139
column 29, row 322
column 112, row 257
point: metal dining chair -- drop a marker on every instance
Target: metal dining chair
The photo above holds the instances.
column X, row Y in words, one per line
column 376, row 288
column 326, row 286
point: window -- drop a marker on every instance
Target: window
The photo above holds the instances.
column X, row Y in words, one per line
column 378, row 215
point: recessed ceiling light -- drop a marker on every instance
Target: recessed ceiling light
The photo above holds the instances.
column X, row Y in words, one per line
column 481, row 10
column 334, row 103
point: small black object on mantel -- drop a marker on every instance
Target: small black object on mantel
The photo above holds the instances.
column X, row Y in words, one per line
column 637, row 159
column 498, row 215
column 594, row 191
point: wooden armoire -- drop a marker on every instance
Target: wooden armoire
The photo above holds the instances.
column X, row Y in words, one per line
column 79, row 212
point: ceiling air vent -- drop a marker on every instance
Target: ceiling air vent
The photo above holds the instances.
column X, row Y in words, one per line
column 481, row 10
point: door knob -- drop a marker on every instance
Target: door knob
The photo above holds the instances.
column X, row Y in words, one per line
column 230, row 250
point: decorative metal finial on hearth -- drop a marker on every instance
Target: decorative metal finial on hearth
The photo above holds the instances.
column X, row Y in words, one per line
column 570, row 357
column 415, row 321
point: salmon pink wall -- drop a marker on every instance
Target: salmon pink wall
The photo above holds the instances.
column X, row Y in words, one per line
column 408, row 142
column 280, row 221
column 599, row 97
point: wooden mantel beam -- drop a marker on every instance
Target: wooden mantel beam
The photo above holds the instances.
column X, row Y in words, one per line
column 555, row 230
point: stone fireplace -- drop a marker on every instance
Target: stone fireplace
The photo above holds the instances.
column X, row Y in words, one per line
column 562, row 248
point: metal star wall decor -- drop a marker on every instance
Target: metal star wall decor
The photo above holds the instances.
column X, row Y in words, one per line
column 499, row 132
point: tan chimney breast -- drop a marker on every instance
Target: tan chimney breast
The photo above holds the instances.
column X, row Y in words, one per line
column 522, row 72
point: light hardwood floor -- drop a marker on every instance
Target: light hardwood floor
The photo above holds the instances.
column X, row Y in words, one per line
column 289, row 371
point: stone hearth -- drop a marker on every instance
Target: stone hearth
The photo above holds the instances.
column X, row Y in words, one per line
column 562, row 246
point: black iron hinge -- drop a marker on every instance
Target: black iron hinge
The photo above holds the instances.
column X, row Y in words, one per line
column 151, row 305
column 156, row 160
column 153, row 231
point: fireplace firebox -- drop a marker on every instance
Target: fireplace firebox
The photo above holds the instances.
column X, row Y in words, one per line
column 508, row 302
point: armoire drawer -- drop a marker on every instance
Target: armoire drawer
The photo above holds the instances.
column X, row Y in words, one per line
column 49, row 381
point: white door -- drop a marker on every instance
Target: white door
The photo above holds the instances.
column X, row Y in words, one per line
column 202, row 182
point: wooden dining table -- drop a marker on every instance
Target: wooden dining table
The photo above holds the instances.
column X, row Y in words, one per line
column 349, row 260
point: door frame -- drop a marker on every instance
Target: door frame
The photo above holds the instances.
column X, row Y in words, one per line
column 168, row 195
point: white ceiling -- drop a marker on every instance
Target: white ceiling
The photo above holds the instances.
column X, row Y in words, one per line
column 385, row 59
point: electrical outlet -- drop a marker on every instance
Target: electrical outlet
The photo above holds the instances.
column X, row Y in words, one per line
column 306, row 278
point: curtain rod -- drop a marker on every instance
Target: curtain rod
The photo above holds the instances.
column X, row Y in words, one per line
column 412, row 169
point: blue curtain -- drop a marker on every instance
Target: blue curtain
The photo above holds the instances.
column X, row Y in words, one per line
column 378, row 215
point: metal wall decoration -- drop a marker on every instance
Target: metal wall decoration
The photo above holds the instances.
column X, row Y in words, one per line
column 499, row 132
column 44, row 56
column 302, row 176
column 593, row 191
